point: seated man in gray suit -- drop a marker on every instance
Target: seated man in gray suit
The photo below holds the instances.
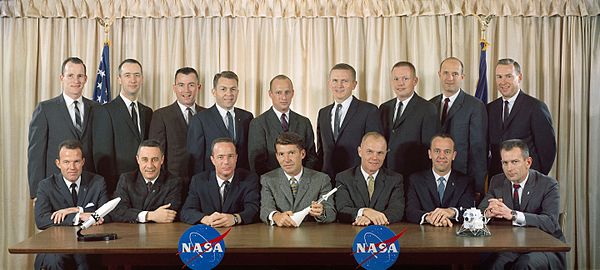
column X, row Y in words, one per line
column 292, row 187
column 525, row 197
column 225, row 196
column 368, row 194
column 148, row 194
column 435, row 196
column 67, row 199
column 265, row 128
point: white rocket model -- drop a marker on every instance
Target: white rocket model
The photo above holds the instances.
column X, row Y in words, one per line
column 298, row 217
column 100, row 213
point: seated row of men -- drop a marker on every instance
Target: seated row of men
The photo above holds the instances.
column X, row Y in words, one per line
column 111, row 133
column 367, row 194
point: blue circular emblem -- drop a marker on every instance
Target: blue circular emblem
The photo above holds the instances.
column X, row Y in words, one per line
column 201, row 247
column 373, row 249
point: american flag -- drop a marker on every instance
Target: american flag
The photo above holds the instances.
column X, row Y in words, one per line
column 482, row 86
column 102, row 86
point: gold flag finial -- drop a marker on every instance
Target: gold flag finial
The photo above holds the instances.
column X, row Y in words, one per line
column 484, row 22
column 106, row 24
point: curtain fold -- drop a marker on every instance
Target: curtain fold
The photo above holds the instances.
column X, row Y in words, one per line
column 292, row 8
column 560, row 56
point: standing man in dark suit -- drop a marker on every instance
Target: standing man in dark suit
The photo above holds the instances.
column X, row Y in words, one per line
column 170, row 124
column 65, row 117
column 409, row 122
column 438, row 196
column 121, row 126
column 292, row 187
column 265, row 129
column 524, row 197
column 225, row 196
column 464, row 117
column 66, row 199
column 517, row 115
column 341, row 125
column 220, row 120
column 368, row 194
column 148, row 194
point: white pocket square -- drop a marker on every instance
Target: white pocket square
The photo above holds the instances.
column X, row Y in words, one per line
column 89, row 205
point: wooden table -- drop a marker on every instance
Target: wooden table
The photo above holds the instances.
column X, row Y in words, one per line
column 260, row 244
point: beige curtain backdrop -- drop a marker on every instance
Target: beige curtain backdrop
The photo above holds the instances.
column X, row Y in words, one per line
column 556, row 42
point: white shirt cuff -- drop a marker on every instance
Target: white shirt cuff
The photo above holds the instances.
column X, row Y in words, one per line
column 271, row 222
column 142, row 216
column 359, row 213
column 423, row 219
column 455, row 213
column 520, row 221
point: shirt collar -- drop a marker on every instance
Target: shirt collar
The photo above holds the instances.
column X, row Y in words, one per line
column 405, row 102
column 183, row 108
column 278, row 113
column 297, row 177
column 366, row 175
column 522, row 182
column 151, row 180
column 223, row 111
column 128, row 101
column 513, row 98
column 221, row 181
column 69, row 100
column 452, row 98
column 68, row 183
column 437, row 176
column 345, row 103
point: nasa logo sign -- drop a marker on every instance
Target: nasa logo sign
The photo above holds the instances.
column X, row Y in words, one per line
column 202, row 247
column 376, row 247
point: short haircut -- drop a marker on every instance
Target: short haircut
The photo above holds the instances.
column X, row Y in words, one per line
column 516, row 143
column 344, row 66
column 186, row 71
column 406, row 64
column 280, row 77
column 130, row 61
column 70, row 144
column 374, row 134
column 290, row 138
column 225, row 74
column 509, row 61
column 462, row 66
column 151, row 143
column 443, row 136
column 74, row 60
column 221, row 140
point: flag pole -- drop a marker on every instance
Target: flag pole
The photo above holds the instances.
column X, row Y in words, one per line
column 482, row 86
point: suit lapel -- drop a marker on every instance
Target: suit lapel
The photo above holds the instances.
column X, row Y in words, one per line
column 527, row 189
column 303, row 186
column 234, row 190
column 507, row 196
column 180, row 119
column 294, row 122
column 142, row 113
column 515, row 109
column 87, row 109
column 273, row 122
column 431, row 186
column 457, row 104
column 352, row 109
column 214, row 192
column 325, row 128
column 83, row 190
column 66, row 116
column 449, row 190
column 218, row 121
column 361, row 185
column 380, row 185
column 63, row 189
column 122, row 108
column 284, row 186
column 151, row 196
column 238, row 125
column 409, row 108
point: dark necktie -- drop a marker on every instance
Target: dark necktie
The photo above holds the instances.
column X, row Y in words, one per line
column 74, row 193
column 516, row 204
column 398, row 113
column 445, row 110
column 190, row 114
column 284, row 123
column 226, row 187
column 149, row 186
column 77, row 117
column 230, row 126
column 134, row 118
column 336, row 121
column 506, row 112
column 441, row 187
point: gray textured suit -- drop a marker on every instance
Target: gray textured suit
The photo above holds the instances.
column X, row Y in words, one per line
column 135, row 197
column 352, row 194
column 50, row 125
column 263, row 133
column 467, row 124
column 276, row 194
column 540, row 203
column 53, row 195
column 116, row 140
column 168, row 126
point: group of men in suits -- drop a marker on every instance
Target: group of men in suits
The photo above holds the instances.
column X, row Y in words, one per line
column 367, row 152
